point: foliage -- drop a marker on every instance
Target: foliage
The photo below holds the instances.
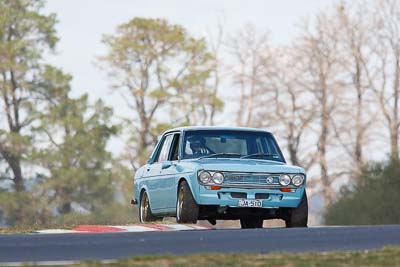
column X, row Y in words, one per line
column 372, row 200
column 25, row 34
column 78, row 164
column 162, row 72
column 77, row 171
column 61, row 140
column 20, row 208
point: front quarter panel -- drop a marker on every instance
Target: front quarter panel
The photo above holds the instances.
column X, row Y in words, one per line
column 188, row 170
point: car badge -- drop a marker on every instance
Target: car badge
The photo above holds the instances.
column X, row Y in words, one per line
column 270, row 180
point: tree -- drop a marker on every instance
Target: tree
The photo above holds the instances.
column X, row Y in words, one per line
column 74, row 136
column 384, row 75
column 160, row 70
column 25, row 33
column 373, row 199
column 354, row 39
column 216, row 45
column 320, row 61
column 251, row 54
column 286, row 107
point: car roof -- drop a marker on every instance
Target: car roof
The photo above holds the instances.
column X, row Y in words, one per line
column 215, row 128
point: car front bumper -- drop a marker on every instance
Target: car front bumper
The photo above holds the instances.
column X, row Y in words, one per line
column 229, row 197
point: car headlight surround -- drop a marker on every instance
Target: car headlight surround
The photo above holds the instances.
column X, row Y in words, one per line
column 284, row 179
column 205, row 177
column 298, row 179
column 218, row 178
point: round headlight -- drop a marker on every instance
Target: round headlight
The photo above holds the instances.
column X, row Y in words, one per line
column 205, row 177
column 297, row 180
column 284, row 179
column 218, row 178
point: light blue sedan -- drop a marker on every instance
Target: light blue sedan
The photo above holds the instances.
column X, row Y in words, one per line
column 215, row 173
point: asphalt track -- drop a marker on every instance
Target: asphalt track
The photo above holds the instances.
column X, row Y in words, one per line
column 72, row 247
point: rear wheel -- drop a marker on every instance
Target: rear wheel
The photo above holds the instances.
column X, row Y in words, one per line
column 145, row 214
column 248, row 223
column 187, row 210
column 298, row 217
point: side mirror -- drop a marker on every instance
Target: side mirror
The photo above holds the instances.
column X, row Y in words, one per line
column 166, row 165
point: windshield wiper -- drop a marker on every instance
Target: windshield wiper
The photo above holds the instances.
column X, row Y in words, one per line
column 216, row 155
column 260, row 155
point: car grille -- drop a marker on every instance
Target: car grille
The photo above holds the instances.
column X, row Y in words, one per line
column 251, row 179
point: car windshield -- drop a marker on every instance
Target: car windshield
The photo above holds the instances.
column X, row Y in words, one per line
column 231, row 144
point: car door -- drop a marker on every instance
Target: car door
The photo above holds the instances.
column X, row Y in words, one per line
column 167, row 189
column 160, row 176
column 170, row 171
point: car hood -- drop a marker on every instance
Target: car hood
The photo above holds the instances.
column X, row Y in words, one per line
column 246, row 165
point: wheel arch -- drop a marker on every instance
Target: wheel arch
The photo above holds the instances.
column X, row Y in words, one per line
column 189, row 209
column 182, row 179
column 141, row 191
column 189, row 183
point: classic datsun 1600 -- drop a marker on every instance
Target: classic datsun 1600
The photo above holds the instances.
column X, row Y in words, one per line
column 215, row 173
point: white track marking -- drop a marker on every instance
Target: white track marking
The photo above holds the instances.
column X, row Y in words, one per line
column 50, row 263
column 132, row 228
column 136, row 228
column 56, row 231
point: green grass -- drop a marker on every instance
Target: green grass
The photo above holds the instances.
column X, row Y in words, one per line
column 387, row 257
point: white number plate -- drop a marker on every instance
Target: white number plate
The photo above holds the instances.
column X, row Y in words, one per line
column 250, row 203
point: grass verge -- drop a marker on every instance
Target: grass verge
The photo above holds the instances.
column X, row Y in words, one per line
column 388, row 256
column 24, row 229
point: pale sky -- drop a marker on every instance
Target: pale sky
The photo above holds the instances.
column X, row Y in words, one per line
column 82, row 24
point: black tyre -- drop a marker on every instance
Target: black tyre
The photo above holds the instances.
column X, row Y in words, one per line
column 145, row 214
column 249, row 223
column 298, row 217
column 187, row 210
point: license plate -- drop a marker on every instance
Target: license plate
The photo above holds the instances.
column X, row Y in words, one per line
column 250, row 203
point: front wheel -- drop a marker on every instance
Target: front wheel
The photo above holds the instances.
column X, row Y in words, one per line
column 145, row 214
column 187, row 210
column 298, row 217
column 251, row 223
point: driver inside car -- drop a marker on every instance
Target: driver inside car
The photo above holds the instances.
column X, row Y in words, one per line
column 198, row 146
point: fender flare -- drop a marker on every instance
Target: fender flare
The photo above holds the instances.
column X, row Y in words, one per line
column 143, row 189
column 188, row 181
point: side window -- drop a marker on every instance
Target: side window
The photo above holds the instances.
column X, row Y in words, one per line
column 163, row 155
column 174, row 148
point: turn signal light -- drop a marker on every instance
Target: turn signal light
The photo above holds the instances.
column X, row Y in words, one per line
column 215, row 187
column 287, row 190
